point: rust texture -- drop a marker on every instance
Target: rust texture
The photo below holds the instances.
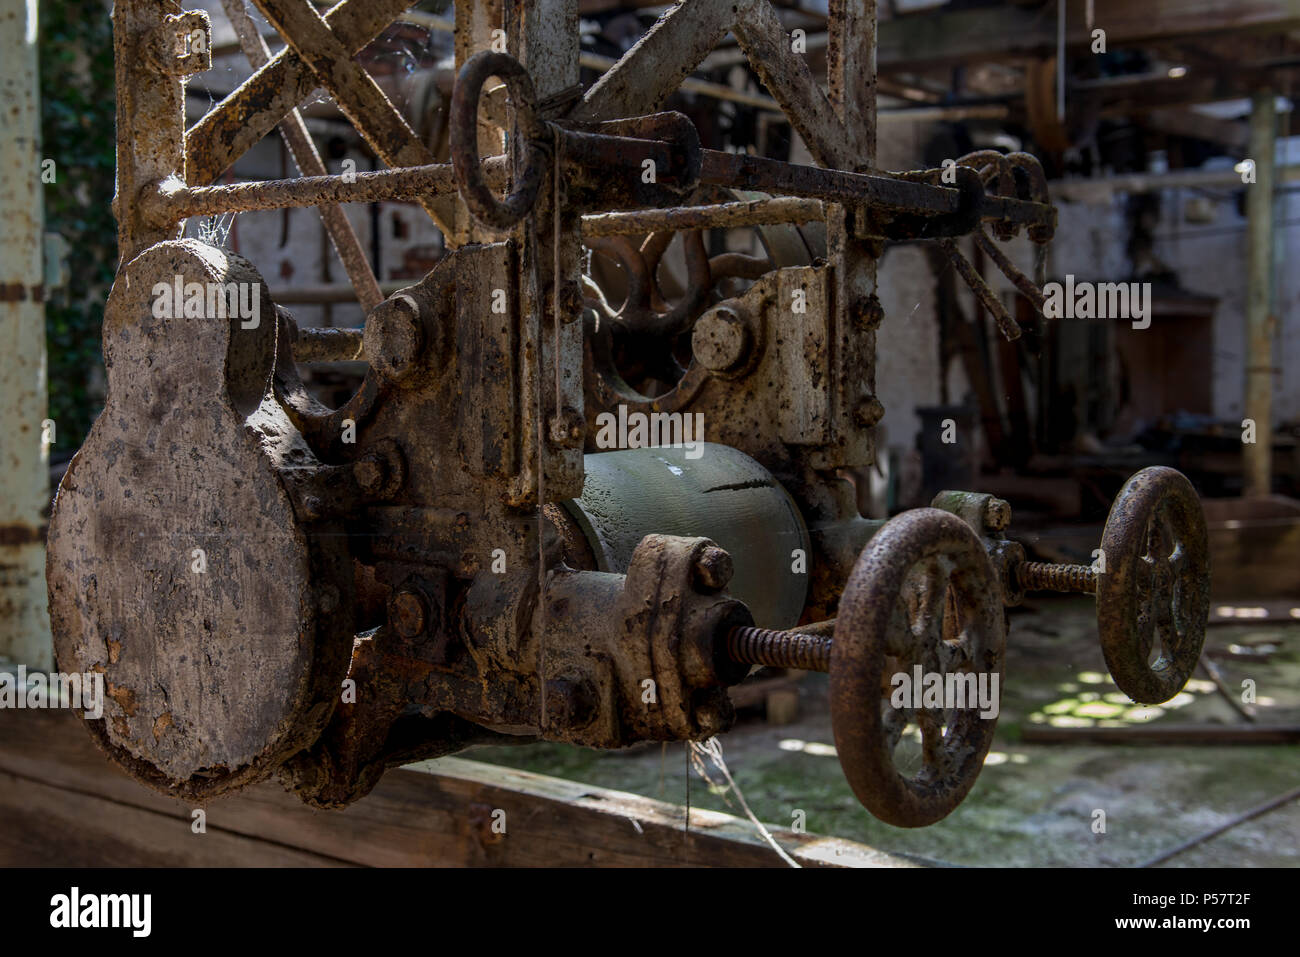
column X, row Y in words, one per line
column 1040, row 576
column 426, row 567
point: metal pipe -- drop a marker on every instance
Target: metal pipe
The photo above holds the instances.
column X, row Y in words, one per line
column 1258, row 456
column 24, row 449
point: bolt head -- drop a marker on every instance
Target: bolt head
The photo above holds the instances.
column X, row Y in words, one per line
column 997, row 514
column 407, row 613
column 568, row 429
column 394, row 337
column 713, row 569
column 869, row 412
column 721, row 340
column 371, row 473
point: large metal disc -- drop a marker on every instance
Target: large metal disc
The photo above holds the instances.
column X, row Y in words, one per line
column 176, row 566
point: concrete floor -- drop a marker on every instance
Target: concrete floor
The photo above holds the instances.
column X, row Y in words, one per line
column 1032, row 804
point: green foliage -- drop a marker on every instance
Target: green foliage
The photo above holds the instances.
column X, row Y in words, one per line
column 77, row 132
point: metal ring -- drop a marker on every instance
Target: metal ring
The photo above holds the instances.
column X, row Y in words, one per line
column 463, row 133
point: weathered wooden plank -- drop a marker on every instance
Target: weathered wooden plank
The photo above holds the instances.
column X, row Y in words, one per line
column 43, row 825
column 438, row 813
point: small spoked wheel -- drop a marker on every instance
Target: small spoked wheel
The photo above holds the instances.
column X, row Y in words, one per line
column 921, row 606
column 1153, row 597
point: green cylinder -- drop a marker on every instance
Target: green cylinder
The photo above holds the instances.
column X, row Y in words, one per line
column 701, row 490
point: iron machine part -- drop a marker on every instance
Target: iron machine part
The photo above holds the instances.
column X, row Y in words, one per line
column 275, row 587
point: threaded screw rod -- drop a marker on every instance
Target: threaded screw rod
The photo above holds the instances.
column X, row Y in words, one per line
column 780, row 649
column 1043, row 576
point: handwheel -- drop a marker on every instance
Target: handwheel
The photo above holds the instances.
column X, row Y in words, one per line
column 891, row 620
column 1155, row 584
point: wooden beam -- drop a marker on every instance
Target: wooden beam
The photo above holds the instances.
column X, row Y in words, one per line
column 1199, row 126
column 986, row 34
column 63, row 803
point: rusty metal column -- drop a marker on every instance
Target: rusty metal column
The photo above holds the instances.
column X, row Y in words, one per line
column 24, row 490
column 1260, row 322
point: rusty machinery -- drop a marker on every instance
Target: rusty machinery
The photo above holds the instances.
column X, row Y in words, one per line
column 271, row 586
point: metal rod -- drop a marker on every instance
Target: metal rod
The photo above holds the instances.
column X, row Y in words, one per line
column 720, row 215
column 329, row 345
column 780, row 649
column 171, row 203
column 756, row 172
column 1270, row 805
column 987, row 297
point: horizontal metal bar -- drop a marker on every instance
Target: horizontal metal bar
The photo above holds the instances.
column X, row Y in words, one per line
column 719, row 215
column 329, row 345
column 814, row 182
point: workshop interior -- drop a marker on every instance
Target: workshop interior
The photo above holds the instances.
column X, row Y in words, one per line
column 737, row 433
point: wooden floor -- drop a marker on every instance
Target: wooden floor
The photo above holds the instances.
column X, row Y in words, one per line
column 63, row 803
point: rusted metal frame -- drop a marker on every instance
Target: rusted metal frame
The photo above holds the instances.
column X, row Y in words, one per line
column 791, row 82
column 654, row 68
column 851, row 72
column 242, row 119
column 472, row 33
column 355, row 92
column 854, row 311
column 294, row 130
column 543, row 35
column 714, row 216
column 150, row 123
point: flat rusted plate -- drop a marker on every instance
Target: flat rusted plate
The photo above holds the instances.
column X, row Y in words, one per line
column 1153, row 599
column 176, row 567
column 891, row 620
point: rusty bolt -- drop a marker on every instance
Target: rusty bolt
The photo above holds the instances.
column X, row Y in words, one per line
column 371, row 472
column 713, row 569
column 997, row 514
column 313, row 509
column 869, row 412
column 408, row 612
column 568, row 429
column 721, row 340
column 381, row 471
column 394, row 339
column 570, row 703
column 870, row 312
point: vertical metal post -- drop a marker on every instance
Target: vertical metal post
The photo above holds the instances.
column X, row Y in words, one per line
column 24, row 488
column 1260, row 322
